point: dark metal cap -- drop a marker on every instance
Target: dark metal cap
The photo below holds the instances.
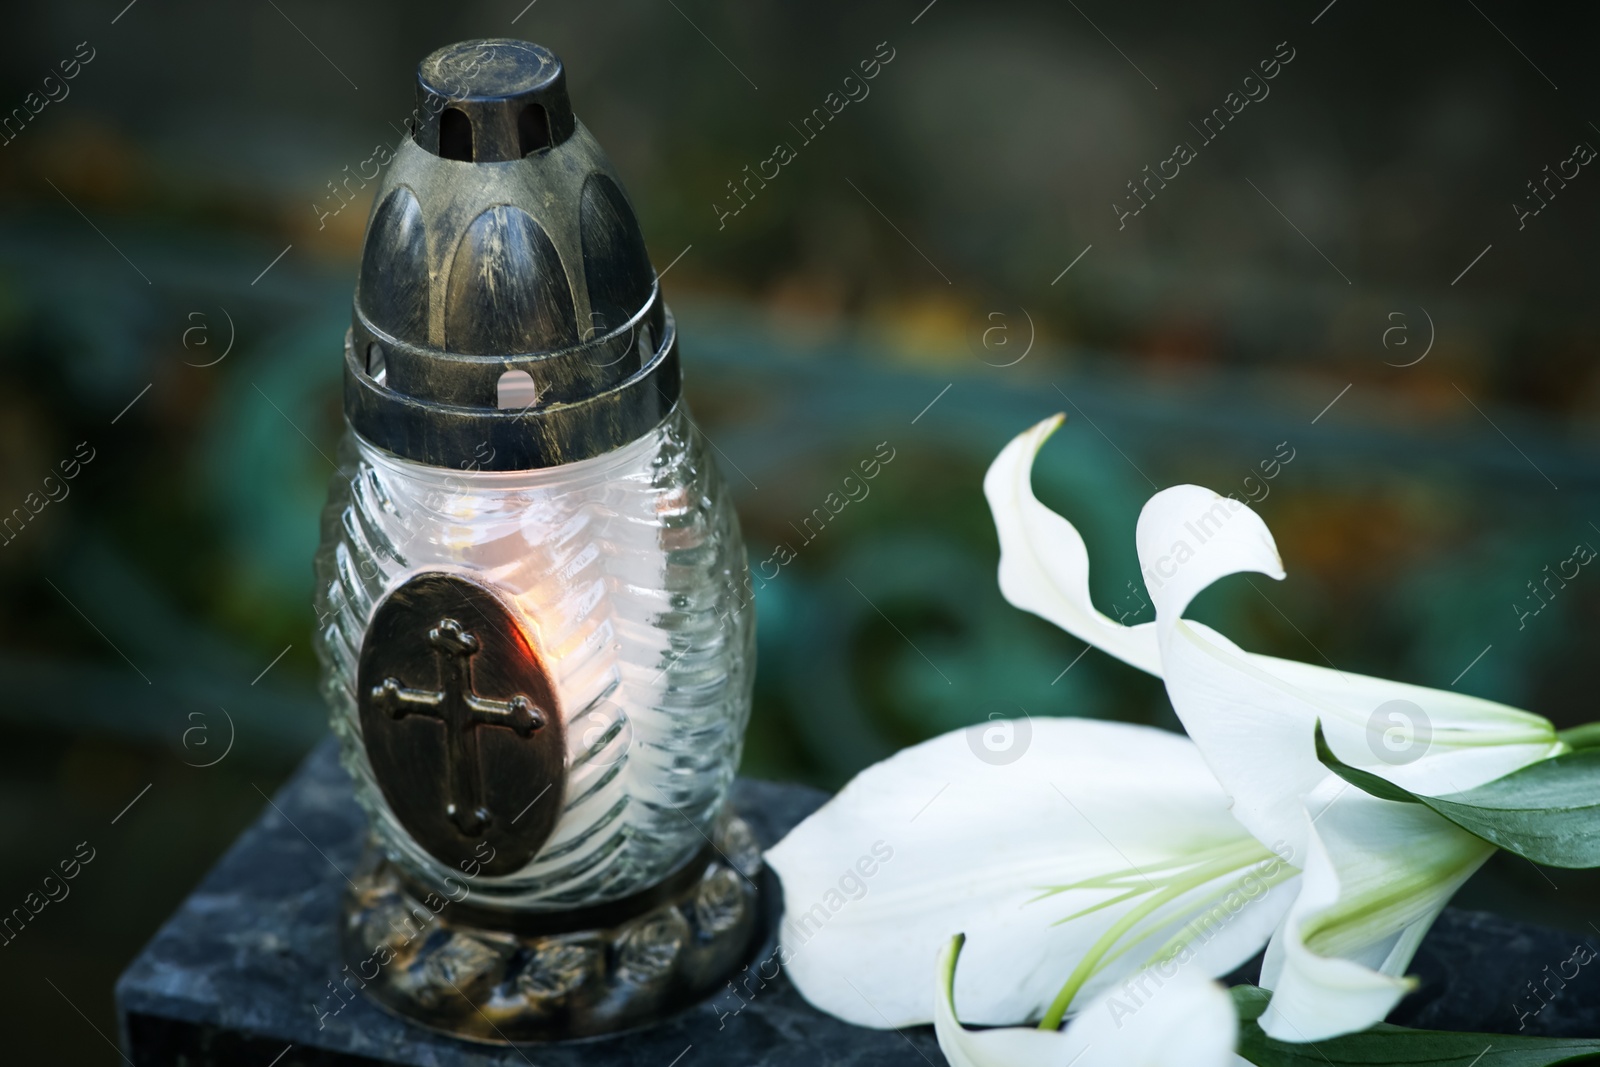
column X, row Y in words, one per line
column 507, row 316
column 497, row 100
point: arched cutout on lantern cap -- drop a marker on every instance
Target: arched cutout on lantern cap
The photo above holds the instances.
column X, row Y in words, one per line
column 455, row 135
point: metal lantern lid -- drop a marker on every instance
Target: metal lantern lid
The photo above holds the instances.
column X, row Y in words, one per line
column 501, row 241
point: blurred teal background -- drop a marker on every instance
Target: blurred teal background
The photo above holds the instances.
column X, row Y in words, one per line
column 884, row 288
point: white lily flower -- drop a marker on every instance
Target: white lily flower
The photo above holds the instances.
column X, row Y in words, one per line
column 1073, row 856
column 1187, row 1021
column 1338, row 965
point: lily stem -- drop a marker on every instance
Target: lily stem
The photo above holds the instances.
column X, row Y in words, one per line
column 1585, row 736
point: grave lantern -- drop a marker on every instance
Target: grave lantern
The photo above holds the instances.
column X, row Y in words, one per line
column 534, row 624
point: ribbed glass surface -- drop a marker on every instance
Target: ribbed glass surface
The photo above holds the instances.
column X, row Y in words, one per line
column 629, row 572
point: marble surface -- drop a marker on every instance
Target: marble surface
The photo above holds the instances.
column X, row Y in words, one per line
column 241, row 973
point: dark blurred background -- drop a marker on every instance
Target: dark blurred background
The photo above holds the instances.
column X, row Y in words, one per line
column 179, row 225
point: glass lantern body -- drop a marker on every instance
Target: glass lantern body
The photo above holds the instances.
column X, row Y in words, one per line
column 628, row 573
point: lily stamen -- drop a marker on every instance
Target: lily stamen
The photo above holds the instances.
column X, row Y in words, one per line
column 1191, row 873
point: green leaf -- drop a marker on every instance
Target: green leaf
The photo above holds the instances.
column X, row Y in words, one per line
column 1548, row 812
column 1396, row 1046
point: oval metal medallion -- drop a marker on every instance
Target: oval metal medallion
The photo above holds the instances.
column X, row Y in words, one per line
column 461, row 725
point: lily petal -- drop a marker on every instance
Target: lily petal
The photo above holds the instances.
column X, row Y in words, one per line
column 1378, row 874
column 1459, row 738
column 1044, row 565
column 938, row 839
column 1187, row 1021
column 1012, row 1046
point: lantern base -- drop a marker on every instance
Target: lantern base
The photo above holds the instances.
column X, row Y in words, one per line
column 511, row 977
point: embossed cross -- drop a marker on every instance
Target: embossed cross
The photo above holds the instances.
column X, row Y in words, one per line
column 462, row 711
